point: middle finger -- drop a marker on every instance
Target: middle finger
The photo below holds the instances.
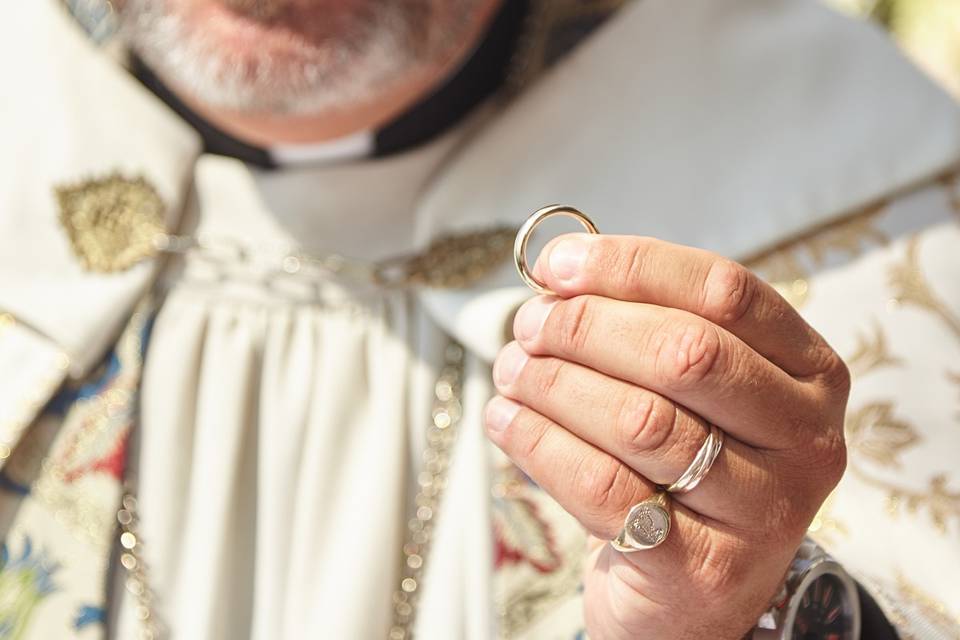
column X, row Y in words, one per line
column 677, row 354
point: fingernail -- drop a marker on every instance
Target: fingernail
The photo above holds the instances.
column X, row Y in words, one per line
column 500, row 413
column 531, row 317
column 508, row 364
column 567, row 257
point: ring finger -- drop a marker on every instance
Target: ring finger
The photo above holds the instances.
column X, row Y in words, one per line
column 599, row 490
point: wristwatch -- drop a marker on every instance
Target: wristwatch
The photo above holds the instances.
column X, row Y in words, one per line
column 817, row 601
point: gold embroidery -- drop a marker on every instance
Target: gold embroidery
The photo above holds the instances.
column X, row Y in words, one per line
column 911, row 287
column 941, row 504
column 453, row 261
column 873, row 432
column 788, row 266
column 872, row 352
column 933, row 610
column 111, row 222
column 851, row 237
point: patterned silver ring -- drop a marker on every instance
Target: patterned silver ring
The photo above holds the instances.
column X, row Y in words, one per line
column 646, row 526
column 702, row 462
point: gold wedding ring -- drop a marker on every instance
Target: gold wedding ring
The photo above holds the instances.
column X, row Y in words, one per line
column 523, row 236
column 646, row 526
column 702, row 462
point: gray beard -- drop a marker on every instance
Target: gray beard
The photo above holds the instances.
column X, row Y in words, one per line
column 367, row 52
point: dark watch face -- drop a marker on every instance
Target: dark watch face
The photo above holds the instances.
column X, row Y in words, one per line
column 825, row 612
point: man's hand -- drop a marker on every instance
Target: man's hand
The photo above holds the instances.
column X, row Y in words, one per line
column 607, row 392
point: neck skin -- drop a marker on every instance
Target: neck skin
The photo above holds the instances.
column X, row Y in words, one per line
column 264, row 129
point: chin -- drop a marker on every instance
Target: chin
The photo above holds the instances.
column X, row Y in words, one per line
column 293, row 56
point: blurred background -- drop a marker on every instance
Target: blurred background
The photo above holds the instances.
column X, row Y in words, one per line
column 928, row 30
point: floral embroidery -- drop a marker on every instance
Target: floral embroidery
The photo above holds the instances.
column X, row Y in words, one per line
column 25, row 580
column 910, row 286
column 937, row 499
column 932, row 609
column 872, row 352
column 88, row 615
column 92, row 440
column 522, row 535
column 67, row 472
column 539, row 553
column 915, row 613
column 875, row 433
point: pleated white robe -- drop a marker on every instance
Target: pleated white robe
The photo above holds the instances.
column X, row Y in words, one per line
column 283, row 417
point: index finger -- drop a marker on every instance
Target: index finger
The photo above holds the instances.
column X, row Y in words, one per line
column 641, row 269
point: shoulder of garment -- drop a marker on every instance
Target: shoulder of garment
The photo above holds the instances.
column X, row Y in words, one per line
column 731, row 126
column 83, row 144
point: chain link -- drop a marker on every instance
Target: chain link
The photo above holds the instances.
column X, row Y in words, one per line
column 432, row 480
column 451, row 261
column 132, row 561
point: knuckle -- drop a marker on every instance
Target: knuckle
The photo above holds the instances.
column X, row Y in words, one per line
column 729, row 291
column 801, row 427
column 687, row 355
column 832, row 460
column 803, row 484
column 790, row 513
column 548, row 377
column 836, row 374
column 534, row 435
column 824, row 457
column 718, row 571
column 643, row 424
column 628, row 264
column 572, row 323
column 606, row 487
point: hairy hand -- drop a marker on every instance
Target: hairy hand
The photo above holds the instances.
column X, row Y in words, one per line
column 608, row 392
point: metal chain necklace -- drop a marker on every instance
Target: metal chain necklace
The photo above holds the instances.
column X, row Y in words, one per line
column 432, row 480
column 132, row 561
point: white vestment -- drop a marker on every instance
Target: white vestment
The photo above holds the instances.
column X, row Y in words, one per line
column 282, row 417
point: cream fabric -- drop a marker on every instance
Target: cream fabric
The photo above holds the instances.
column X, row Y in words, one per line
column 74, row 138
column 59, row 130
column 281, row 418
column 893, row 312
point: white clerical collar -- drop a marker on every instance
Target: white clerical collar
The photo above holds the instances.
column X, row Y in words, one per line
column 350, row 147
